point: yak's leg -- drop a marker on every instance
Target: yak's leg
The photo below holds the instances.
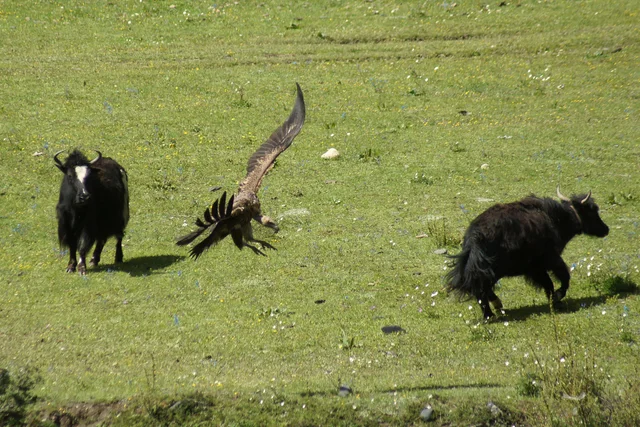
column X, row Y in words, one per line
column 494, row 300
column 95, row 259
column 541, row 278
column 73, row 262
column 482, row 296
column 561, row 271
column 85, row 246
column 119, row 254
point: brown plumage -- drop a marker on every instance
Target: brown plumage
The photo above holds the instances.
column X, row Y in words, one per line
column 234, row 216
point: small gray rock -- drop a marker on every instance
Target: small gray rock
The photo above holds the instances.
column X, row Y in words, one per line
column 494, row 409
column 441, row 251
column 344, row 391
column 426, row 413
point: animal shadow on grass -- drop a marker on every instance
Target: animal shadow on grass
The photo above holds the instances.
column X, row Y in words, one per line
column 144, row 265
column 436, row 387
column 568, row 305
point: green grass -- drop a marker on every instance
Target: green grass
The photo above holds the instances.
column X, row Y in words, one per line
column 181, row 94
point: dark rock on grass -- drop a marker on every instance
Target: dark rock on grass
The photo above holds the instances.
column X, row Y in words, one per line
column 393, row 329
column 344, row 391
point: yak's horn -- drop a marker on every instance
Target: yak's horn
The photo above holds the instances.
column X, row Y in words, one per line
column 561, row 196
column 97, row 158
column 56, row 159
column 586, row 199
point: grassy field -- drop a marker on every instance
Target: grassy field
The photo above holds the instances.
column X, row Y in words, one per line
column 438, row 110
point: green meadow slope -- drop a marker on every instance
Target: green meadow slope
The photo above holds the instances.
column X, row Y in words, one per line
column 438, row 111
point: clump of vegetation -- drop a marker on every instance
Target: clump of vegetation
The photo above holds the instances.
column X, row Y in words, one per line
column 16, row 394
column 608, row 276
column 370, row 155
column 347, row 342
column 442, row 234
column 621, row 198
column 575, row 389
column 425, row 179
column 529, row 385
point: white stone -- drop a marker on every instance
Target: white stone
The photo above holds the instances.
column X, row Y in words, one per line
column 331, row 153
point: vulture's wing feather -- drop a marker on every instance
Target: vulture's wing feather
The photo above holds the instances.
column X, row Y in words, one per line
column 230, row 206
column 185, row 240
column 222, row 208
column 207, row 216
column 216, row 236
column 262, row 160
column 219, row 231
column 218, row 219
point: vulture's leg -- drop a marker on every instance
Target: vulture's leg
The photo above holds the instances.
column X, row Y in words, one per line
column 247, row 233
column 267, row 222
column 264, row 244
column 254, row 249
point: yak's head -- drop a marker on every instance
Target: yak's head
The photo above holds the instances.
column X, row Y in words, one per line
column 78, row 180
column 588, row 214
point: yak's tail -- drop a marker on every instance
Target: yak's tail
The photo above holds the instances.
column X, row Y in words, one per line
column 471, row 270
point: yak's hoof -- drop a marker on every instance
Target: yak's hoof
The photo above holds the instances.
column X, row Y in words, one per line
column 559, row 295
column 82, row 269
column 71, row 268
column 496, row 303
column 93, row 262
column 558, row 305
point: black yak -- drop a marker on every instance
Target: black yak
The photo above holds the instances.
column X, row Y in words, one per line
column 523, row 238
column 93, row 206
column 234, row 216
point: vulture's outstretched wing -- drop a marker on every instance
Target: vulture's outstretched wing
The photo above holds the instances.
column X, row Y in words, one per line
column 262, row 160
column 218, row 219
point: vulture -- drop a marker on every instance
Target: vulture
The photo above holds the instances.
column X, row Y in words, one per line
column 233, row 216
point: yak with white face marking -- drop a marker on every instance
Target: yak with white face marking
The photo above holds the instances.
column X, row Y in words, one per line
column 93, row 206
